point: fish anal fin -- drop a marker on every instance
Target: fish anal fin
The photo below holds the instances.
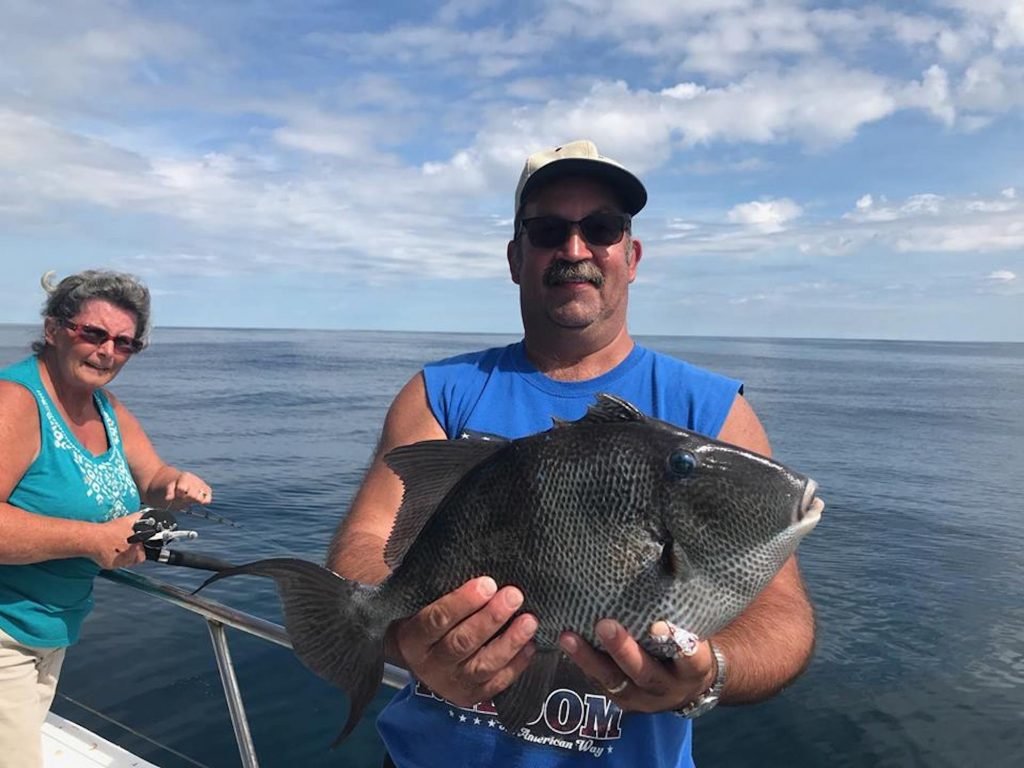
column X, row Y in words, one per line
column 429, row 470
column 521, row 703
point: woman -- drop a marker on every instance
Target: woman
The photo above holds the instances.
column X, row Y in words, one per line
column 75, row 466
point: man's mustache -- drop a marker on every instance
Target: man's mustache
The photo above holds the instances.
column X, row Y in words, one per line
column 562, row 271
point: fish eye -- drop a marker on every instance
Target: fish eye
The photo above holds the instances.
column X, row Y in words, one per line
column 682, row 463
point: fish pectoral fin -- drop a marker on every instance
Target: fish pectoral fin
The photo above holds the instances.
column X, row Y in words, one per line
column 329, row 634
column 429, row 470
column 521, row 703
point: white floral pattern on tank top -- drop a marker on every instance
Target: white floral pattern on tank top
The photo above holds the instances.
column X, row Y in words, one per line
column 107, row 480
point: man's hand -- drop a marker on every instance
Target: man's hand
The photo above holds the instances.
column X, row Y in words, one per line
column 632, row 677
column 452, row 647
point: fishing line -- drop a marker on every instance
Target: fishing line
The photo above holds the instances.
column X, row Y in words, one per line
column 170, row 525
column 132, row 731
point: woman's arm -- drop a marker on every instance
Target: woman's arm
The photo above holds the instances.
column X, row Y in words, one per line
column 159, row 483
column 26, row 537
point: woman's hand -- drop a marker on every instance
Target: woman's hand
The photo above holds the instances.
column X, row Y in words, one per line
column 110, row 548
column 185, row 488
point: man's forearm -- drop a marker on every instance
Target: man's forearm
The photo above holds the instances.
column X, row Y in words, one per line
column 358, row 556
column 771, row 643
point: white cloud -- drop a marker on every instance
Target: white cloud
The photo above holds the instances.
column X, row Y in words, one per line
column 770, row 230
column 58, row 55
column 732, row 42
column 677, row 229
column 931, row 205
column 935, row 223
column 1005, row 19
column 1000, row 283
column 991, row 85
column 765, row 215
column 1002, row 276
column 226, row 204
column 821, row 106
column 932, row 94
column 494, row 51
column 341, row 138
column 753, row 298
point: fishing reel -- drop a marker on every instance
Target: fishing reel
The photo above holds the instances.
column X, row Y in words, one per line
column 159, row 527
column 155, row 530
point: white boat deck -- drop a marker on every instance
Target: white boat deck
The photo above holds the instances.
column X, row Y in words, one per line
column 68, row 745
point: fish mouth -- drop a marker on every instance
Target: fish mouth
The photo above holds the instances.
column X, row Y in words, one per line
column 809, row 512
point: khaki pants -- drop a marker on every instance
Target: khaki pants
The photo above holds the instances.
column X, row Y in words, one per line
column 28, row 681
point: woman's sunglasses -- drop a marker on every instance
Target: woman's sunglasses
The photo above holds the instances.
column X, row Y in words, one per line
column 93, row 334
column 597, row 229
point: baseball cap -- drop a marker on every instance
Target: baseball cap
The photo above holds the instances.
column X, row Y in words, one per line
column 579, row 158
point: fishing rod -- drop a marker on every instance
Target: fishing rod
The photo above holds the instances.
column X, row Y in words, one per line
column 157, row 528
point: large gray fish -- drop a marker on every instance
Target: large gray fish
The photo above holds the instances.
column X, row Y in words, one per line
column 616, row 515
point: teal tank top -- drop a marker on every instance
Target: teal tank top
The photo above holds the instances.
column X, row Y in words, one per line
column 43, row 604
column 499, row 391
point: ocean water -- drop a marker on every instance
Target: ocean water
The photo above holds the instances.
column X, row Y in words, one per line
column 916, row 570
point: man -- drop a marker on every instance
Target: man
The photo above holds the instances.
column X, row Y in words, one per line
column 573, row 257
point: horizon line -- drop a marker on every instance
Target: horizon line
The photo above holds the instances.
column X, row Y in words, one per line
column 518, row 334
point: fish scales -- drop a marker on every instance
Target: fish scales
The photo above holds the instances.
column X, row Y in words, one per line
column 535, row 515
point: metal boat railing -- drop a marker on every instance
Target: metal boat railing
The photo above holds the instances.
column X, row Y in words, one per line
column 218, row 617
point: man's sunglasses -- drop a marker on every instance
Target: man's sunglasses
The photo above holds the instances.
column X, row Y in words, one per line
column 597, row 229
column 93, row 334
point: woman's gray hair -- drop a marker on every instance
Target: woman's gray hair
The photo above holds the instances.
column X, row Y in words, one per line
column 66, row 298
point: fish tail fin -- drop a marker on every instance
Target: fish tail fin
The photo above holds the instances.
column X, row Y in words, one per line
column 335, row 631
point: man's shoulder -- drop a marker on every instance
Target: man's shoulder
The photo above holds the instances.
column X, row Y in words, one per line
column 480, row 359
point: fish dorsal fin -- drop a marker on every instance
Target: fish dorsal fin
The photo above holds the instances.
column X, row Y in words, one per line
column 429, row 470
column 609, row 409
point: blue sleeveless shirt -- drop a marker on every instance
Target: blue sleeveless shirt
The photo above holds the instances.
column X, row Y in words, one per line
column 499, row 391
column 43, row 604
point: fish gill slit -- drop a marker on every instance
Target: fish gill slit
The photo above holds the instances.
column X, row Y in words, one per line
column 669, row 561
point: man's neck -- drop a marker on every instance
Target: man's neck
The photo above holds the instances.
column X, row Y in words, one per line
column 571, row 356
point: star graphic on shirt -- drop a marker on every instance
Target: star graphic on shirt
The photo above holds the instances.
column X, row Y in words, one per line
column 476, row 721
column 462, row 718
column 491, row 723
column 451, row 713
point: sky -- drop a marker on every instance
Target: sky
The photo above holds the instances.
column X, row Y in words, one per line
column 847, row 170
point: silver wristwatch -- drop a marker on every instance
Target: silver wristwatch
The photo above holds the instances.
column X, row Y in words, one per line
column 707, row 700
